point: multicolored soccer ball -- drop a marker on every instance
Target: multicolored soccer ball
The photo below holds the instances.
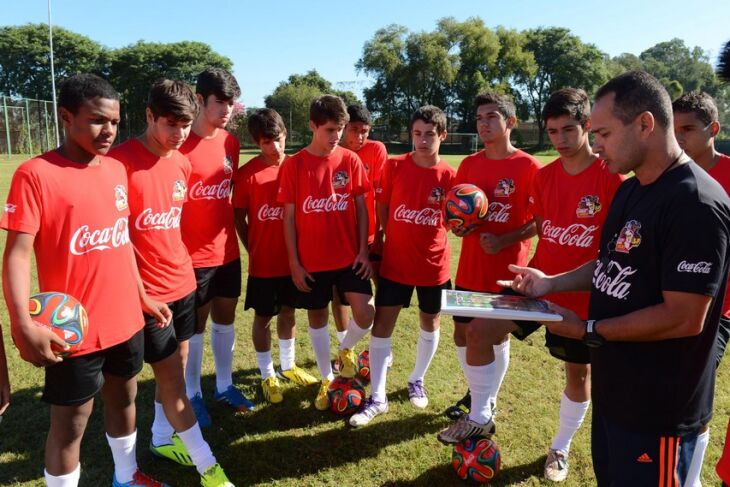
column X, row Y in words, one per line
column 476, row 459
column 465, row 206
column 64, row 315
column 363, row 366
column 345, row 395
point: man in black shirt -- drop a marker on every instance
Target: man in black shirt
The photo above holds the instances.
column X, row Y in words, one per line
column 656, row 291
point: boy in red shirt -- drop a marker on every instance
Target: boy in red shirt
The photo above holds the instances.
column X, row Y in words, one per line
column 209, row 234
column 416, row 254
column 158, row 176
column 696, row 125
column 81, row 244
column 270, row 290
column 323, row 190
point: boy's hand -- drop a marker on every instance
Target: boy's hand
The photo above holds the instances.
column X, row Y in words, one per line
column 362, row 266
column 528, row 281
column 463, row 231
column 159, row 310
column 34, row 343
column 299, row 276
column 490, row 243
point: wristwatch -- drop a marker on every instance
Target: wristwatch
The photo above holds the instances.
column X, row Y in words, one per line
column 591, row 338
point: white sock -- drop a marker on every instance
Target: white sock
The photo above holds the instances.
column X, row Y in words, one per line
column 266, row 364
column 321, row 345
column 66, row 480
column 162, row 430
column 125, row 456
column 428, row 342
column 354, row 335
column 695, row 465
column 571, row 417
column 501, row 363
column 198, row 448
column 481, row 383
column 194, row 365
column 341, row 336
column 222, row 341
column 461, row 355
column 287, row 353
column 379, row 352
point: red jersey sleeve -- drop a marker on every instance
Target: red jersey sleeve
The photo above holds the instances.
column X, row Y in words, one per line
column 384, row 185
column 23, row 208
column 288, row 182
column 241, row 198
column 360, row 182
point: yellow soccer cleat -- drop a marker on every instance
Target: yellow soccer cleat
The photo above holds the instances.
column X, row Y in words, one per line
column 272, row 390
column 322, row 401
column 348, row 363
column 297, row 375
column 215, row 477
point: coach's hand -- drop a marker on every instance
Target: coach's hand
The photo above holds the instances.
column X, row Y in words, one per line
column 34, row 343
column 528, row 281
column 299, row 276
column 159, row 310
column 571, row 326
column 362, row 266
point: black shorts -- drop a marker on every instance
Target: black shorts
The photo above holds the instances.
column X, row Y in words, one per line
column 266, row 295
column 345, row 280
column 77, row 379
column 223, row 281
column 392, row 293
column 160, row 343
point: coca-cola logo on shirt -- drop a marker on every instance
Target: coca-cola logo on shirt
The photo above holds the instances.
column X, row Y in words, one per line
column 498, row 212
column 163, row 220
column 267, row 212
column 85, row 240
column 612, row 279
column 700, row 267
column 220, row 191
column 334, row 202
column 430, row 217
column 574, row 235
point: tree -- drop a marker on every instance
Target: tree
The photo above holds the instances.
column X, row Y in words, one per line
column 291, row 98
column 25, row 63
column 134, row 68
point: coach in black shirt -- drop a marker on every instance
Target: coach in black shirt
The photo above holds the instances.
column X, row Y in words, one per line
column 656, row 291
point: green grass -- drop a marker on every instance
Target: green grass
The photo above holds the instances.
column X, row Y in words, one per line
column 291, row 444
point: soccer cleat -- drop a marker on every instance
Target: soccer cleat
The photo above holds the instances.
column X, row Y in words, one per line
column 175, row 451
column 215, row 477
column 322, row 401
column 235, row 398
column 297, row 375
column 272, row 390
column 465, row 428
column 417, row 394
column 348, row 363
column 138, row 480
column 201, row 412
column 368, row 411
column 462, row 407
column 556, row 466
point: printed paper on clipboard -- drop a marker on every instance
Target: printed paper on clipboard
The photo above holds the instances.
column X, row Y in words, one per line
column 496, row 306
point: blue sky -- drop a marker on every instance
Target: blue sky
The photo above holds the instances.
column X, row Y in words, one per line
column 268, row 41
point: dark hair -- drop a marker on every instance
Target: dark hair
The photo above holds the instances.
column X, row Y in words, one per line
column 218, row 82
column 81, row 87
column 172, row 99
column 265, row 123
column 699, row 103
column 328, row 108
column 636, row 92
column 505, row 106
column 358, row 113
column 572, row 102
column 430, row 114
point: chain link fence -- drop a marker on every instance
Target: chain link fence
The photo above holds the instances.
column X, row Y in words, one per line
column 26, row 126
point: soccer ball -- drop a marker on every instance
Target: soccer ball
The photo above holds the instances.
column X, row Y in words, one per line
column 345, row 395
column 64, row 315
column 465, row 206
column 476, row 459
column 363, row 366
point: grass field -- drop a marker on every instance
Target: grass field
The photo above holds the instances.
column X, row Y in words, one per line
column 292, row 444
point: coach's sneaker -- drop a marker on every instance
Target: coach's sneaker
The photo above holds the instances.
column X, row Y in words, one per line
column 322, row 401
column 368, row 411
column 348, row 363
column 417, row 394
column 556, row 465
column 297, row 375
column 272, row 390
column 235, row 398
column 201, row 412
column 465, row 428
column 138, row 480
column 175, row 451
column 215, row 477
column 462, row 407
